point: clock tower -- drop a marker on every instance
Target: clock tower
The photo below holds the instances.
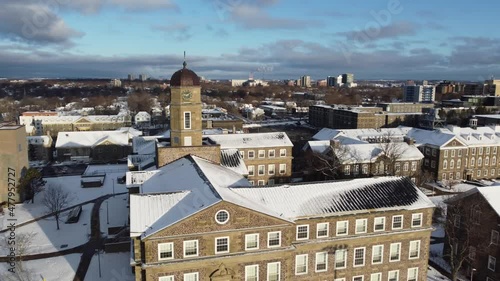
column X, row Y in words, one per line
column 185, row 108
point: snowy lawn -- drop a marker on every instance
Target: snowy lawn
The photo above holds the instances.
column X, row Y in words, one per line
column 114, row 267
column 117, row 213
column 48, row 239
column 27, row 211
column 61, row 268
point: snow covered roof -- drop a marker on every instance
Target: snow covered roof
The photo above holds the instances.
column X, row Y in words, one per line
column 488, row 135
column 40, row 140
column 92, row 138
column 490, row 193
column 361, row 134
column 273, row 139
column 369, row 152
column 232, row 159
column 338, row 197
column 437, row 138
column 317, row 146
column 63, row 119
column 191, row 184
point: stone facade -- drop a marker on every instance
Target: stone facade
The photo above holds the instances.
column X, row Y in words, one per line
column 281, row 162
column 13, row 160
column 230, row 265
column 168, row 154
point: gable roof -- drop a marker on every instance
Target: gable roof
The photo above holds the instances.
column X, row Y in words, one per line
column 92, row 138
column 273, row 139
column 232, row 159
column 196, row 184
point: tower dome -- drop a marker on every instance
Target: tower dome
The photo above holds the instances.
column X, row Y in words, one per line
column 184, row 77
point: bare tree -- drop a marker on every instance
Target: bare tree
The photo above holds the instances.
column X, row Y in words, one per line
column 331, row 162
column 393, row 150
column 55, row 200
column 22, row 243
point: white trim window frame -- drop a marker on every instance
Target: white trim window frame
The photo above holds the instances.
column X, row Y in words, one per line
column 195, row 247
column 344, row 226
column 301, row 262
column 222, row 245
column 254, row 241
column 377, row 222
column 321, row 262
column 276, row 237
column 322, row 229
column 166, row 248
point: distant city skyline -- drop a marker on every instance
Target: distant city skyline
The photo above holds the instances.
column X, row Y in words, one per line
column 226, row 39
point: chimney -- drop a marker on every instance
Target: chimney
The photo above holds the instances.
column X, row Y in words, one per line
column 409, row 141
column 473, row 123
column 335, row 143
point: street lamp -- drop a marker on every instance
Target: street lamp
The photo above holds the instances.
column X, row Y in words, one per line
column 107, row 211
column 472, row 273
column 99, row 260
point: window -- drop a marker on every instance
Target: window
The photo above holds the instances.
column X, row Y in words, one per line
column 251, row 170
column 274, row 239
column 347, row 170
column 271, row 153
column 321, row 262
column 475, row 214
column 365, row 169
column 472, row 252
column 459, row 163
column 445, row 164
column 488, row 150
column 493, row 161
column 283, row 152
column 478, row 173
column 165, row 251
column 446, row 153
column 261, row 182
column 187, row 120
column 398, row 167
column 393, row 275
column 262, row 170
column 479, row 161
column 166, row 278
column 459, row 153
column 397, row 222
column 395, row 251
column 270, row 182
column 412, row 274
column 342, row 227
column 494, row 150
column 194, row 276
column 377, row 254
column 487, row 161
column 405, row 167
column 262, row 153
column 252, row 272
column 251, row 154
column 453, row 153
column 242, row 154
column 413, row 166
column 303, row 232
column 340, row 258
column 376, row 276
column 251, row 182
column 282, row 169
column 322, row 229
column 300, row 264
column 472, row 162
column 359, row 257
column 494, row 237
column 473, row 151
column 222, row 217
column 379, row 224
column 480, row 151
column 191, row 248
column 222, row 245
column 414, row 249
column 273, row 271
column 492, row 263
column 434, row 151
column 251, row 241
column 452, row 164
column 270, row 169
column 358, row 278
column 416, row 220
column 361, row 226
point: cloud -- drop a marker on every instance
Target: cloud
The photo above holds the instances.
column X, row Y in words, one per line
column 376, row 32
column 178, row 31
column 35, row 23
column 288, row 58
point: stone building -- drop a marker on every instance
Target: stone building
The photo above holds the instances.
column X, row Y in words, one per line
column 205, row 222
column 473, row 227
column 45, row 123
column 13, row 160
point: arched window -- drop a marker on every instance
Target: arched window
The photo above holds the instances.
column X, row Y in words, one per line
column 479, row 161
column 486, row 161
column 472, row 162
column 493, row 161
column 445, row 164
column 459, row 163
column 452, row 164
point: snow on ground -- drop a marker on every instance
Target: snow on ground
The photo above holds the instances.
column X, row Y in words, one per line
column 460, row 187
column 61, row 268
column 434, row 275
column 114, row 267
column 48, row 239
column 27, row 211
column 117, row 213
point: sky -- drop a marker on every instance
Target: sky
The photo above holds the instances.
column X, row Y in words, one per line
column 231, row 39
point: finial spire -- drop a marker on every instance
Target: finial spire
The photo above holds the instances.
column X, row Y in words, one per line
column 184, row 63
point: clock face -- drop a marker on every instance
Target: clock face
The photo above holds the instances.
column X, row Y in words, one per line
column 186, row 95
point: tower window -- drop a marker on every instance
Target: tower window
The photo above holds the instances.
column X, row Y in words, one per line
column 187, row 120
